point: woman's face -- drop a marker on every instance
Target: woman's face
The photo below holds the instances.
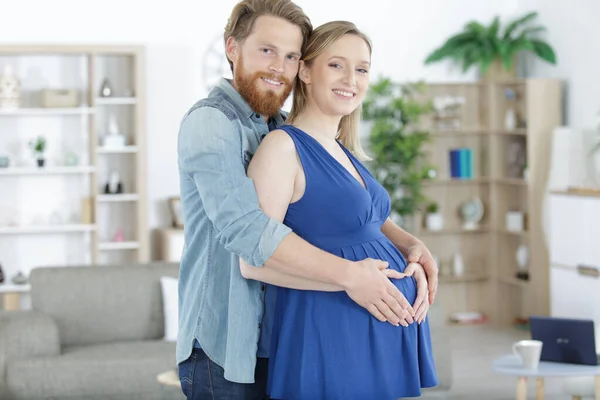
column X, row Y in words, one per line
column 338, row 79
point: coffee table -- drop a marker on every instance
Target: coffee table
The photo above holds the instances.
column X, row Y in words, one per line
column 511, row 365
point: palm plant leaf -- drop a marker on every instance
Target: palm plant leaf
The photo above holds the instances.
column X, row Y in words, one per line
column 494, row 28
column 450, row 47
column 544, row 51
column 506, row 55
column 519, row 44
column 476, row 27
column 481, row 45
column 511, row 27
column 531, row 30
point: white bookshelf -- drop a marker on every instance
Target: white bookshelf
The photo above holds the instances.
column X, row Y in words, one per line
column 47, row 170
column 115, row 101
column 93, row 227
column 58, row 228
column 11, row 288
column 117, row 150
column 119, row 246
column 105, row 198
column 37, row 111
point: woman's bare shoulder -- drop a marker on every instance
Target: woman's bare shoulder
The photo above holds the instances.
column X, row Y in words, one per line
column 277, row 150
column 278, row 140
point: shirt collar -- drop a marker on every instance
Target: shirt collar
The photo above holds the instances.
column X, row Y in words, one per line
column 241, row 104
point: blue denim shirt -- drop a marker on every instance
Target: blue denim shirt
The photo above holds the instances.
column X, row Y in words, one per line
column 218, row 307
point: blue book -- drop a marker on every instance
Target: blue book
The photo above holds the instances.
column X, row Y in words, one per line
column 466, row 163
column 463, row 163
column 455, row 163
column 471, row 165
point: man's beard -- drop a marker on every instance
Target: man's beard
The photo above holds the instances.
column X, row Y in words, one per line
column 264, row 102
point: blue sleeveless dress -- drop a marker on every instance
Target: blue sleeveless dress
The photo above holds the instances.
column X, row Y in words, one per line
column 324, row 346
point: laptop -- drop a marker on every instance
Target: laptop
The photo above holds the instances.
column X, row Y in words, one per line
column 565, row 340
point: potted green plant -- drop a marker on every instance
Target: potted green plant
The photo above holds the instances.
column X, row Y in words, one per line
column 434, row 221
column 492, row 48
column 38, row 146
column 396, row 144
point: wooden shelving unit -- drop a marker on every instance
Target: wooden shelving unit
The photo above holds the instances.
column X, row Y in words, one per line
column 82, row 68
column 489, row 283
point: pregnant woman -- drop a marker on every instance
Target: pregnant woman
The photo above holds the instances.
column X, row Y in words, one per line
column 324, row 346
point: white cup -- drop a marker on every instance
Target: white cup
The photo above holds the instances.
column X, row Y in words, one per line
column 529, row 351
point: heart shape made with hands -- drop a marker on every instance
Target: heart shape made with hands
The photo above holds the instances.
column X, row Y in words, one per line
column 411, row 268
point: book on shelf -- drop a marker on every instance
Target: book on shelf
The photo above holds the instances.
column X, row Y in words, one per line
column 461, row 163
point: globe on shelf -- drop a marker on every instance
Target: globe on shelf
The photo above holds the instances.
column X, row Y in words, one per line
column 471, row 212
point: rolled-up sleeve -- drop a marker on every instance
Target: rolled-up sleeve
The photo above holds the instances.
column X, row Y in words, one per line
column 209, row 152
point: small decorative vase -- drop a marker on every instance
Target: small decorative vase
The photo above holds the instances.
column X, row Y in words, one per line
column 434, row 221
column 114, row 184
column 19, row 279
column 119, row 236
column 71, row 159
column 458, row 266
column 522, row 258
column 10, row 89
column 445, row 268
column 105, row 89
column 510, row 119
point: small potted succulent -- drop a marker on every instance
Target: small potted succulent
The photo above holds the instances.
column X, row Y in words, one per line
column 434, row 221
column 38, row 146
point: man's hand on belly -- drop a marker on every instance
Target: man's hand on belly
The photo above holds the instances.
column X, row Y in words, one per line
column 370, row 288
column 418, row 253
column 421, row 305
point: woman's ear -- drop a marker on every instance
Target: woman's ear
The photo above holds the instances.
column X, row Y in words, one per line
column 232, row 49
column 304, row 73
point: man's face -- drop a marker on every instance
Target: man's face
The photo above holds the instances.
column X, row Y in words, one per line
column 265, row 65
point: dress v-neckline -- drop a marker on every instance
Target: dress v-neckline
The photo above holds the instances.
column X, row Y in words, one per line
column 363, row 185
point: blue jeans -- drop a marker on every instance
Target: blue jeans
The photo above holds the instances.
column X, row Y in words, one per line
column 202, row 379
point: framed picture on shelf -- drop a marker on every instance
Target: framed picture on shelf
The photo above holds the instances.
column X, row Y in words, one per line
column 176, row 213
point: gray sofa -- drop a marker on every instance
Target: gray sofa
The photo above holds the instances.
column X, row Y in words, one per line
column 93, row 333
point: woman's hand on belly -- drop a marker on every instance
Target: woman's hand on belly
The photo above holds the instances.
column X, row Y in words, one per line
column 392, row 273
column 421, row 305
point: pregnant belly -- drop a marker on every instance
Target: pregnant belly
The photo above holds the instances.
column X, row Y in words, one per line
column 326, row 303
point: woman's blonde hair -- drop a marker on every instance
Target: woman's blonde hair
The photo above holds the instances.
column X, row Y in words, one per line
column 320, row 39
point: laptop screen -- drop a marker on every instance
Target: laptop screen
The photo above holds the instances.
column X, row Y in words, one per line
column 565, row 340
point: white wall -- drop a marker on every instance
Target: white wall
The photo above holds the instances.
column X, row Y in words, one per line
column 403, row 32
column 573, row 31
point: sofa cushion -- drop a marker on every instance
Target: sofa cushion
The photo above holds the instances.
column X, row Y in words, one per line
column 102, row 304
column 90, row 371
column 170, row 295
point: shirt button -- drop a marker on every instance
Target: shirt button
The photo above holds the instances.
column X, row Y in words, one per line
column 262, row 287
column 257, row 115
column 259, row 326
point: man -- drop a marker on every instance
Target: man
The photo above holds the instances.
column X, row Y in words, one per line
column 221, row 350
